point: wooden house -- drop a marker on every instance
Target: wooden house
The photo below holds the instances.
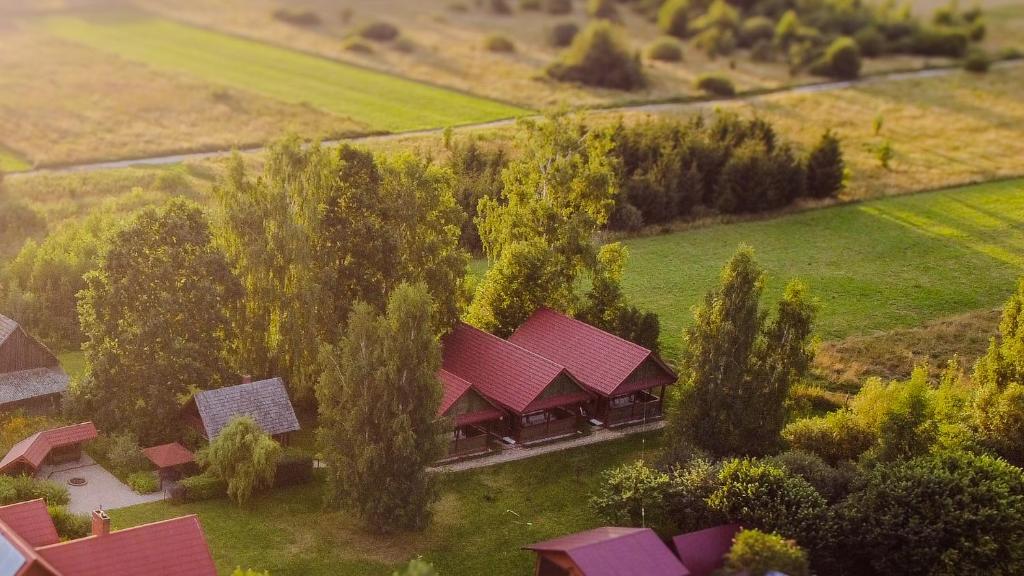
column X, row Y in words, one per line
column 30, row 375
column 628, row 381
column 543, row 400
column 475, row 419
column 266, row 401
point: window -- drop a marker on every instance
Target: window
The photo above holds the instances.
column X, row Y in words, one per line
column 534, row 418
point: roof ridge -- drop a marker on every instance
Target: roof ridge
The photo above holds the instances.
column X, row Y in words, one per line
column 93, row 537
column 590, row 326
column 511, row 343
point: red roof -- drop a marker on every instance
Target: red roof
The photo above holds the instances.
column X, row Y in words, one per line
column 30, row 520
column 454, row 389
column 174, row 547
column 703, row 552
column 616, row 552
column 34, row 449
column 510, row 375
column 168, row 455
column 603, row 362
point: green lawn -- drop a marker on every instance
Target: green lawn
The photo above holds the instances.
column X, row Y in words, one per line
column 11, row 162
column 382, row 101
column 482, row 520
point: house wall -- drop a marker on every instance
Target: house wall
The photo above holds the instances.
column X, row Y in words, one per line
column 22, row 352
column 34, row 406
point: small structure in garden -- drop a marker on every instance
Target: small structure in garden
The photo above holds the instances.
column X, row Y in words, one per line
column 55, row 446
column 703, row 552
column 171, row 460
column 607, row 551
column 31, row 378
column 627, row 379
column 475, row 420
column 266, row 401
column 544, row 399
column 30, row 546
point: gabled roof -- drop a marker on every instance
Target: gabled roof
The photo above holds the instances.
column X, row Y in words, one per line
column 174, row 547
column 266, row 401
column 31, row 520
column 510, row 375
column 603, row 362
column 616, row 552
column 454, row 389
column 25, row 384
column 703, row 552
column 33, row 450
column 7, row 327
column 168, row 455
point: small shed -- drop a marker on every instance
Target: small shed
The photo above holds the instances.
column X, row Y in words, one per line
column 54, row 446
column 266, row 401
column 608, row 551
column 703, row 552
column 169, row 459
column 30, row 375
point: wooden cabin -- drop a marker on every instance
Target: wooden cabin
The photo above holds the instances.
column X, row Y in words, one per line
column 31, row 378
column 543, row 400
column 266, row 401
column 627, row 380
column 476, row 421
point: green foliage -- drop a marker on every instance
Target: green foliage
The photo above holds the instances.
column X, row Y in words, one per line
column 757, row 553
column 599, row 56
column 631, row 495
column 249, row 572
column 119, row 452
column 21, row 488
column 379, row 31
column 417, row 567
column 243, row 456
column 666, row 49
column 199, row 487
column 835, row 437
column 18, row 222
column 499, row 43
column 832, row 483
column 686, row 502
column 378, row 399
column 674, row 17
column 143, row 482
column 606, row 306
column 716, row 84
column 939, row 41
column 885, row 153
column 826, row 170
column 602, row 9
column 754, row 30
column 716, row 41
column 562, row 34
column 70, row 526
column 841, row 59
column 141, row 355
column 951, row 513
column 870, row 41
column 296, row 17
column 739, row 365
column 977, row 60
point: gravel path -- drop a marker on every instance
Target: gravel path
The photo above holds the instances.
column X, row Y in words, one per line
column 102, row 489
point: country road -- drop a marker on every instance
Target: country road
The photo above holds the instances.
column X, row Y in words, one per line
column 656, row 107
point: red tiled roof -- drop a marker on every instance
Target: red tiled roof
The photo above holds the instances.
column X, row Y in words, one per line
column 703, row 552
column 30, row 520
column 168, row 455
column 174, row 547
column 510, row 375
column 454, row 389
column 33, row 450
column 616, row 552
column 598, row 359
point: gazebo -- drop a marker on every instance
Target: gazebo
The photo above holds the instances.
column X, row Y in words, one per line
column 169, row 459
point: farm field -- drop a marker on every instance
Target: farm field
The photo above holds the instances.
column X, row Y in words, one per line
column 380, row 101
column 481, row 521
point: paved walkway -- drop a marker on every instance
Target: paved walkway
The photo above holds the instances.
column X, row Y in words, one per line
column 512, row 453
column 102, row 489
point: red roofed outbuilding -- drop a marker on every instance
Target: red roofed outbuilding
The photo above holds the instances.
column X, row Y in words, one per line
column 49, row 446
column 607, row 552
column 627, row 379
column 543, row 398
column 703, row 552
column 474, row 418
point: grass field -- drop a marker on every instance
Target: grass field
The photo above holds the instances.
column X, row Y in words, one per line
column 482, row 520
column 11, row 162
column 381, row 101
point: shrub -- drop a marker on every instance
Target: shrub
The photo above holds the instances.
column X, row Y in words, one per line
column 976, row 31
column 756, row 29
column 716, row 42
column 198, row 488
column 630, row 494
column 357, row 46
column 626, row 217
column 243, row 456
column 673, row 17
column 870, row 41
column 686, row 500
column 952, row 513
column 293, row 468
column 143, row 482
column 70, row 526
column 939, row 41
column 379, row 31
column 405, row 44
column 826, row 169
column 562, row 34
column 602, row 9
column 558, row 7
column 977, row 61
column 499, row 43
column 666, row 49
column 835, row 437
column 756, row 553
column 530, row 5
column 598, row 56
column 119, row 451
column 832, row 483
column 841, row 59
column 297, row 17
column 21, row 488
column 716, row 84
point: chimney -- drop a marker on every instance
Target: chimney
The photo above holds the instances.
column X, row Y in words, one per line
column 246, row 379
column 100, row 523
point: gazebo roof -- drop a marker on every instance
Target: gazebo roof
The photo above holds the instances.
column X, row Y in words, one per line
column 168, row 455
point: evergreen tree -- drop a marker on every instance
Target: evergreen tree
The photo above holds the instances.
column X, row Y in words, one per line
column 738, row 366
column 378, row 399
column 243, row 456
column 825, row 167
column 154, row 316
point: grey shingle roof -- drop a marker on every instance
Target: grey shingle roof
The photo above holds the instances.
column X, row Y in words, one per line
column 7, row 327
column 266, row 401
column 25, row 384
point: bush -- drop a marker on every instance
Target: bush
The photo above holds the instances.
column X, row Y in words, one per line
column 939, row 41
column 293, row 468
column 870, row 41
column 686, row 501
column 631, row 494
column 561, row 35
column 598, row 56
column 357, row 46
column 379, row 31
column 120, row 452
column 835, row 437
column 297, row 17
column 143, row 482
column 70, row 526
column 530, row 5
column 673, row 17
column 602, row 9
column 716, row 84
column 198, row 488
column 756, row 553
column 666, row 49
column 716, row 42
column 832, row 483
column 626, row 217
column 976, row 31
column 977, row 61
column 754, row 30
column 952, row 513
column 841, row 59
column 558, row 7
column 826, row 169
column 21, row 488
column 499, row 43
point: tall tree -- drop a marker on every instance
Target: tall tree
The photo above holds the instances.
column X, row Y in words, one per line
column 738, row 366
column 243, row 456
column 378, row 399
column 154, row 317
column 998, row 408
